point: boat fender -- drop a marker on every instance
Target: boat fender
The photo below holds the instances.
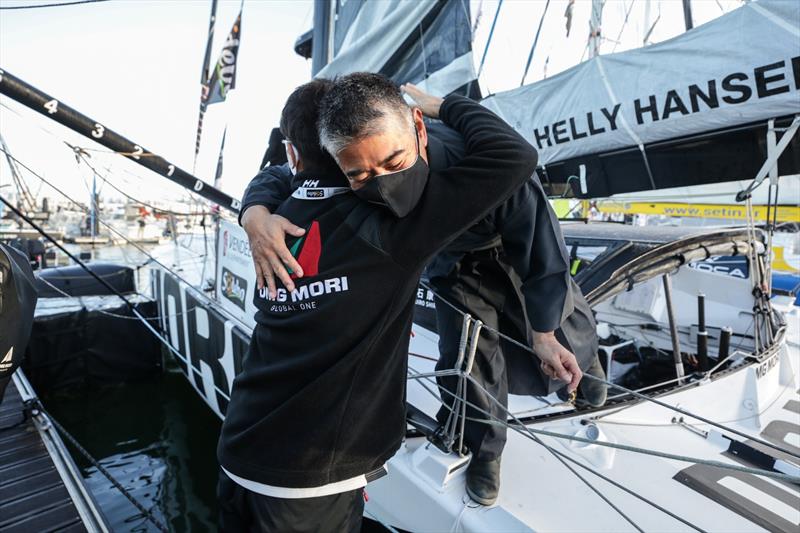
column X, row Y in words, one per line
column 17, row 303
column 75, row 281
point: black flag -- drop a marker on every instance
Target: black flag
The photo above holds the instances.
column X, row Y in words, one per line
column 222, row 78
column 218, row 173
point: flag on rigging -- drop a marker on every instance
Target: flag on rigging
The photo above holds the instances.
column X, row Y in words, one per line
column 218, row 173
column 216, row 84
column 568, row 15
column 223, row 78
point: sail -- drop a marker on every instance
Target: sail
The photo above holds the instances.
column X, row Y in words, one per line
column 426, row 42
column 630, row 121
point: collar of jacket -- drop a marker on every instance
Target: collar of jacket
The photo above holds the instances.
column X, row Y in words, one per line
column 435, row 150
column 319, row 178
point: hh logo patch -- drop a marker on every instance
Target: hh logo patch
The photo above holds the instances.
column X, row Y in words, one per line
column 307, row 250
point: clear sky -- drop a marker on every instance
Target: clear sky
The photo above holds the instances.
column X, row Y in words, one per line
column 134, row 65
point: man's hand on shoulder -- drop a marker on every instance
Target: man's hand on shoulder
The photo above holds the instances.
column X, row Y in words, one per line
column 556, row 361
column 427, row 103
column 267, row 233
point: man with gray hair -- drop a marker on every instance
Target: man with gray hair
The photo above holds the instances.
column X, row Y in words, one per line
column 319, row 406
column 510, row 270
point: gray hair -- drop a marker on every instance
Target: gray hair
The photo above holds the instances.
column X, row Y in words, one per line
column 354, row 106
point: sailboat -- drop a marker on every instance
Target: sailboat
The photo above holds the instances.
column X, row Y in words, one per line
column 702, row 430
column 656, row 292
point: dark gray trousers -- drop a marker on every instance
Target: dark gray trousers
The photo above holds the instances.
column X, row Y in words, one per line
column 244, row 511
column 479, row 285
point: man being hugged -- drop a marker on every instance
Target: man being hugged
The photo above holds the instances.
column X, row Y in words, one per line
column 319, row 406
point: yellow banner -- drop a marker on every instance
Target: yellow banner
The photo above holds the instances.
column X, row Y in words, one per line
column 561, row 207
column 786, row 213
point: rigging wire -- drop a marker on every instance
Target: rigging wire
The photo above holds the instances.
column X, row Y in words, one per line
column 535, row 438
column 456, row 397
column 148, row 513
column 625, row 389
column 624, row 23
column 108, row 286
column 184, row 195
column 80, row 153
column 533, row 46
column 28, row 123
column 22, row 187
column 110, row 227
column 489, row 40
column 645, row 451
column 469, row 23
column 625, row 447
column 650, row 31
column 601, row 420
column 424, row 53
column 478, row 17
column 60, row 4
column 109, row 313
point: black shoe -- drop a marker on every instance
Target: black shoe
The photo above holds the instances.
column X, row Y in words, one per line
column 483, row 481
column 563, row 395
column 594, row 392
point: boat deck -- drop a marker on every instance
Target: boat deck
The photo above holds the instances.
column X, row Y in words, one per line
column 40, row 487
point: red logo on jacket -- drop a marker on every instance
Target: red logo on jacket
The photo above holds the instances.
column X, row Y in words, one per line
column 307, row 250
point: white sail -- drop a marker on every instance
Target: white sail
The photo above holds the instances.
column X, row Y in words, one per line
column 740, row 68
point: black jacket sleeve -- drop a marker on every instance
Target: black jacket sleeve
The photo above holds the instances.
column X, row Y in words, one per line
column 269, row 188
column 498, row 160
column 534, row 246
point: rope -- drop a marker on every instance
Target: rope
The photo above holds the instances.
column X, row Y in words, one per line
column 624, row 23
column 489, row 40
column 27, row 123
column 115, row 315
column 465, row 501
column 626, row 390
column 104, row 223
column 664, row 455
column 625, row 447
column 564, row 456
column 132, row 307
column 601, row 420
column 424, row 54
column 81, row 153
column 128, row 196
column 53, row 5
column 698, row 417
column 148, row 514
column 533, row 46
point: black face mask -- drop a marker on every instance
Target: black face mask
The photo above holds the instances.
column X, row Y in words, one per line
column 398, row 191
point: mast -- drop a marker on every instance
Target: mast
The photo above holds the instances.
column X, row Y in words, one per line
column 687, row 14
column 60, row 112
column 204, row 76
column 207, row 58
column 321, row 49
column 26, row 199
column 535, row 41
column 93, row 211
column 595, row 22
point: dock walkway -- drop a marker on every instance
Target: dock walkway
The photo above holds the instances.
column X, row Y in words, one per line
column 41, row 489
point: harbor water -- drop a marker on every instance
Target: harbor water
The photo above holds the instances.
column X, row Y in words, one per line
column 157, row 438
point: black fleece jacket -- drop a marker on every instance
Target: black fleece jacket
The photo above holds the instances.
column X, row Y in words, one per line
column 524, row 225
column 321, row 395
